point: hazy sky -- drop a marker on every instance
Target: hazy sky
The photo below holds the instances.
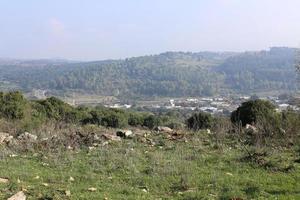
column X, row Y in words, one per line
column 102, row 29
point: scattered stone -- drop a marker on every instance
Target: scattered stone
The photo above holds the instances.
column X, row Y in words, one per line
column 5, row 138
column 92, row 189
column 27, row 136
column 4, row 180
column 229, row 174
column 144, row 190
column 111, row 137
column 68, row 193
column 45, row 184
column 18, row 196
column 13, row 155
column 251, row 129
column 104, row 143
column 92, row 148
column 37, row 177
column 124, row 133
column 164, row 129
column 208, row 131
column 70, row 148
column 71, row 179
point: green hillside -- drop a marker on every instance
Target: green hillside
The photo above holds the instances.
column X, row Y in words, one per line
column 167, row 74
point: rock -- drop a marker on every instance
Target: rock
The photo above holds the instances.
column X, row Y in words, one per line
column 164, row 129
column 18, row 196
column 5, row 138
column 111, row 137
column 71, row 179
column 124, row 133
column 68, row 193
column 144, row 190
column 27, row 136
column 251, row 129
column 4, row 180
column 229, row 174
column 92, row 189
column 45, row 184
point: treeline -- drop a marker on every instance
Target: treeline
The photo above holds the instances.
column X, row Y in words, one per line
column 167, row 74
column 259, row 118
column 32, row 114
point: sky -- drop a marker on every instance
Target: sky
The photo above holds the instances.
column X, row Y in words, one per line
column 112, row 29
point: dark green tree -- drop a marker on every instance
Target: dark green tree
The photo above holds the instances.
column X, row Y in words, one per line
column 12, row 105
column 252, row 111
column 200, row 121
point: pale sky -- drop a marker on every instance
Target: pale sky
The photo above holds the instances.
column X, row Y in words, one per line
column 106, row 29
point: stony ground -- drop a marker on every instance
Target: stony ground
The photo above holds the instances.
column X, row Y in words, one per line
column 149, row 166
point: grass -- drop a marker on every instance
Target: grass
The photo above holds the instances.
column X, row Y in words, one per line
column 187, row 170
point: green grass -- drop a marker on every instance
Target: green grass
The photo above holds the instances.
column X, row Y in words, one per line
column 195, row 169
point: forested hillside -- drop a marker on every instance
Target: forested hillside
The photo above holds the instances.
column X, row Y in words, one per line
column 167, row 74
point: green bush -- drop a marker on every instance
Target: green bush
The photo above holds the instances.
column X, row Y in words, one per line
column 12, row 105
column 200, row 121
column 135, row 119
column 253, row 111
column 151, row 121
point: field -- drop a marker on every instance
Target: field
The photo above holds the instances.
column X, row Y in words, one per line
column 195, row 165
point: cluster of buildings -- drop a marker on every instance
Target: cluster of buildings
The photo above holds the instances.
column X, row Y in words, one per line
column 219, row 105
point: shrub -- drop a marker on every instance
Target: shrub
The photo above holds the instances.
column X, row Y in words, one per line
column 251, row 112
column 115, row 120
column 151, row 121
column 12, row 105
column 200, row 121
column 135, row 119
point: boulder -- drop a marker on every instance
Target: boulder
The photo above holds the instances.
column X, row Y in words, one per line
column 164, row 129
column 5, row 138
column 251, row 129
column 111, row 137
column 4, row 180
column 18, row 196
column 27, row 136
column 124, row 133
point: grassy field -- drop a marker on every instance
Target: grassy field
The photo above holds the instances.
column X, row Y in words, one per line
column 196, row 167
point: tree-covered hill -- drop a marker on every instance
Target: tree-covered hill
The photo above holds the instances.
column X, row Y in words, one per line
column 166, row 74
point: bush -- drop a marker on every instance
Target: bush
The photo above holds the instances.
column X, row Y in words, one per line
column 151, row 121
column 251, row 112
column 115, row 120
column 135, row 119
column 12, row 105
column 200, row 121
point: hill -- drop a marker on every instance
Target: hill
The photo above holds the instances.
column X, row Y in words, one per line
column 167, row 74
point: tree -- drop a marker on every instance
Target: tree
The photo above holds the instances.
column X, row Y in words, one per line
column 151, row 121
column 200, row 121
column 252, row 111
column 12, row 105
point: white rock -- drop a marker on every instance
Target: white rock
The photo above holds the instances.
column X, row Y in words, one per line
column 68, row 193
column 164, row 129
column 71, row 179
column 92, row 189
column 27, row 136
column 124, row 133
column 4, row 180
column 111, row 137
column 5, row 138
column 18, row 196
